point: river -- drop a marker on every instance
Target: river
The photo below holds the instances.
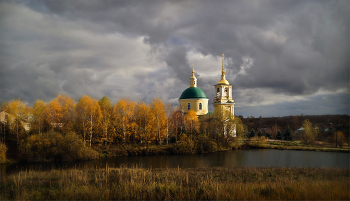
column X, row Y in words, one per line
column 235, row 158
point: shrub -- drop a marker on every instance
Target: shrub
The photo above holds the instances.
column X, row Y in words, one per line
column 205, row 145
column 184, row 146
column 257, row 142
column 3, row 150
column 54, row 146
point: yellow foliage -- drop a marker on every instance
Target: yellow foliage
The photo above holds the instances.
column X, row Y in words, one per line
column 16, row 109
column 143, row 119
column 3, row 150
column 191, row 121
column 309, row 133
column 158, row 119
column 123, row 112
column 339, row 138
column 60, row 112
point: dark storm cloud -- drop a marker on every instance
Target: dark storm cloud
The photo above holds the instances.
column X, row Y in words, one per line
column 297, row 47
column 177, row 60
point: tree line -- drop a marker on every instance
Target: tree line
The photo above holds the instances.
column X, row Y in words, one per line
column 100, row 121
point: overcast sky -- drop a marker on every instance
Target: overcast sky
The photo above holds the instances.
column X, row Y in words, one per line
column 282, row 57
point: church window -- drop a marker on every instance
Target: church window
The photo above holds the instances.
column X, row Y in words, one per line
column 218, row 90
column 188, row 106
column 200, row 106
column 194, row 82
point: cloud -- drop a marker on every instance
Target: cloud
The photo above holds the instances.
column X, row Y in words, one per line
column 144, row 49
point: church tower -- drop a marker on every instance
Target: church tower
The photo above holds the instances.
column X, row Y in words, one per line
column 193, row 98
column 223, row 91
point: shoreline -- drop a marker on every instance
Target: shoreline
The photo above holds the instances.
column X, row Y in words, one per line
column 132, row 150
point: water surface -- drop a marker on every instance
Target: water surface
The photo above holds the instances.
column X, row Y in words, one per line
column 236, row 158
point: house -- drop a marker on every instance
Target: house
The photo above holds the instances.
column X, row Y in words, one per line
column 4, row 116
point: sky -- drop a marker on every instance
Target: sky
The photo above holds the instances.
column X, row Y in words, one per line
column 281, row 57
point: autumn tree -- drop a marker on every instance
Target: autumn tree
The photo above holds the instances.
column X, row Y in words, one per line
column 177, row 122
column 82, row 115
column 309, row 134
column 123, row 112
column 159, row 116
column 169, row 111
column 338, row 138
column 38, row 115
column 106, row 109
column 60, row 113
column 93, row 116
column 222, row 123
column 191, row 122
column 144, row 119
column 274, row 131
column 16, row 111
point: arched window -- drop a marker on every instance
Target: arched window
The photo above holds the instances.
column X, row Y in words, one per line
column 200, row 106
column 188, row 106
column 218, row 90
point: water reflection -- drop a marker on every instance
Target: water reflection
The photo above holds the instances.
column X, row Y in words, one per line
column 238, row 158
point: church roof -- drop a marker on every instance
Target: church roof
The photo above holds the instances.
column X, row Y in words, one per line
column 193, row 92
column 224, row 82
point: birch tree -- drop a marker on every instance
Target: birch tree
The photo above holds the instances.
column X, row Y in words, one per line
column 16, row 111
column 105, row 106
column 38, row 115
column 159, row 117
column 124, row 111
column 143, row 119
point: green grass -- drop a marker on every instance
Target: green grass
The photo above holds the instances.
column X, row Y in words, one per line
column 178, row 184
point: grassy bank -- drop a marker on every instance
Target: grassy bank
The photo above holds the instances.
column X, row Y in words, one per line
column 179, row 184
column 296, row 145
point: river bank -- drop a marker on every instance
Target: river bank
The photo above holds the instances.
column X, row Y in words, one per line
column 179, row 184
column 299, row 146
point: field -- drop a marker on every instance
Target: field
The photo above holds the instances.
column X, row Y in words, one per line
column 178, row 184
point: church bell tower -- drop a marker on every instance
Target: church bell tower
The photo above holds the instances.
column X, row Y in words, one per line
column 223, row 92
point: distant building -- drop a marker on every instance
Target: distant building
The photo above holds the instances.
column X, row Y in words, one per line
column 4, row 116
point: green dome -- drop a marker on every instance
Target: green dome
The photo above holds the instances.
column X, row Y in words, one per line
column 193, row 92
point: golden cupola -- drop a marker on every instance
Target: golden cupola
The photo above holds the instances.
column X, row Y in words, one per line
column 223, row 80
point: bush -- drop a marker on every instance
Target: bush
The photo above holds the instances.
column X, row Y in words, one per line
column 256, row 142
column 54, row 146
column 3, row 150
column 184, row 146
column 205, row 145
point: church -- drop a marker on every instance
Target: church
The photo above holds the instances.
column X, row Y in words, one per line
column 193, row 98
